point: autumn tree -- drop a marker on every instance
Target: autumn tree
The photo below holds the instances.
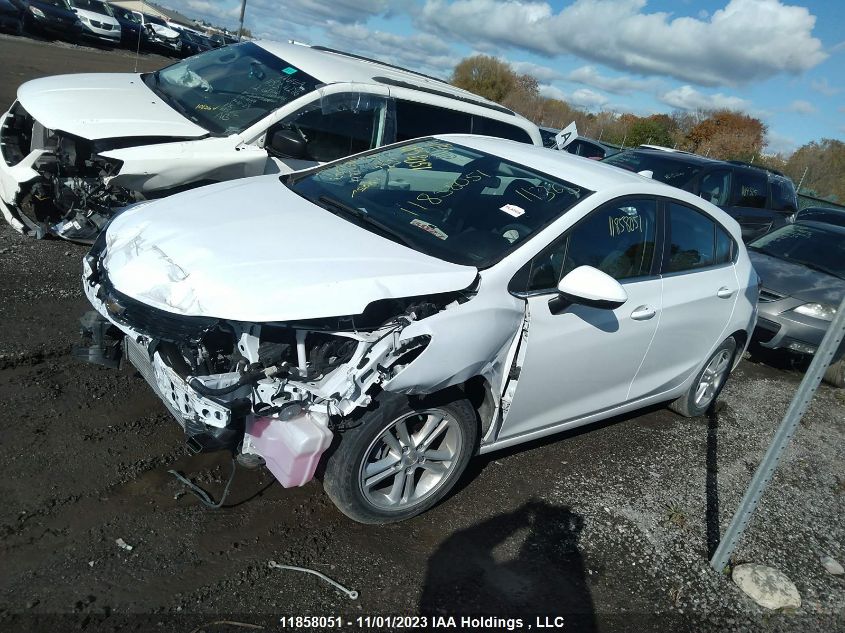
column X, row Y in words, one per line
column 726, row 134
column 485, row 76
column 822, row 166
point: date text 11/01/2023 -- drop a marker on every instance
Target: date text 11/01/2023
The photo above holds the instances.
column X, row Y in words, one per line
column 468, row 623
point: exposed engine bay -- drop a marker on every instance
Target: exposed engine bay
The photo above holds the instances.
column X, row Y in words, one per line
column 217, row 376
column 70, row 192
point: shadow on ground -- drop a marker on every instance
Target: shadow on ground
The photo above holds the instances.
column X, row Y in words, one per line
column 522, row 562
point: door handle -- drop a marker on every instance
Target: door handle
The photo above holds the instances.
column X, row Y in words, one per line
column 643, row 313
column 724, row 293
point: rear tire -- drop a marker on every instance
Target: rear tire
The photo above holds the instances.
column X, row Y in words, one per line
column 835, row 374
column 708, row 383
column 402, row 458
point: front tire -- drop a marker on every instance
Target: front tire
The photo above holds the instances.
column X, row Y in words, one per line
column 402, row 457
column 708, row 384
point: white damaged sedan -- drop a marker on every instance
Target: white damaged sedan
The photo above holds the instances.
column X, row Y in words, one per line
column 391, row 314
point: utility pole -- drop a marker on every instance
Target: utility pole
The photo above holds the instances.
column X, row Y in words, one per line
column 241, row 26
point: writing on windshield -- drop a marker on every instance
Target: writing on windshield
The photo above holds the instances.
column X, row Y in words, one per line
column 444, row 199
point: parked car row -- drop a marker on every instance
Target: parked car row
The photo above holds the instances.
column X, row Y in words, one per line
column 398, row 275
column 101, row 22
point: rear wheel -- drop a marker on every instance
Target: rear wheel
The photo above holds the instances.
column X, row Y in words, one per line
column 708, row 383
column 835, row 374
column 402, row 458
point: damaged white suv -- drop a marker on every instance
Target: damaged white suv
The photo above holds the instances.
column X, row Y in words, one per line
column 409, row 307
column 75, row 148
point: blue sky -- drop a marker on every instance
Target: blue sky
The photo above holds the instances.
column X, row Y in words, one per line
column 781, row 61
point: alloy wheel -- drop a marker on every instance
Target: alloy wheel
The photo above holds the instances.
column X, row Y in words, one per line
column 410, row 459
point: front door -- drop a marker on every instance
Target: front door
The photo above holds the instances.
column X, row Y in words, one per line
column 583, row 359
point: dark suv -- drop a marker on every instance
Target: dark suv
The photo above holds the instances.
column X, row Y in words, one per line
column 759, row 199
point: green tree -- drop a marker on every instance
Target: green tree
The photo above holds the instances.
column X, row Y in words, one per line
column 485, row 76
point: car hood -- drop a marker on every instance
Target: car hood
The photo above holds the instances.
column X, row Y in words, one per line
column 103, row 105
column 252, row 250
column 164, row 31
column 795, row 280
column 99, row 17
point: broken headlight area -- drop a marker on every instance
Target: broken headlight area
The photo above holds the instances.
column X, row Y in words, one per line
column 73, row 197
column 273, row 393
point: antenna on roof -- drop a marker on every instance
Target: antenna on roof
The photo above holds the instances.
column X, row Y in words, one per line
column 241, row 27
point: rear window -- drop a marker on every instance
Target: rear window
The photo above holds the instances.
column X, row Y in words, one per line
column 415, row 120
column 783, row 194
column 492, row 127
column 671, row 171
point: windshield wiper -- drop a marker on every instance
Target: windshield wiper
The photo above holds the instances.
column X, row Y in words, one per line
column 336, row 206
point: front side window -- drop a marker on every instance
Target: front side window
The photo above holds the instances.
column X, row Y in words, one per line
column 337, row 125
column 618, row 239
column 692, row 239
column 716, row 187
column 226, row 90
column 416, row 120
column 751, row 188
column 443, row 199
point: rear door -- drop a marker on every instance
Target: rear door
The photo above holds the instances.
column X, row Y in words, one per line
column 700, row 289
column 749, row 203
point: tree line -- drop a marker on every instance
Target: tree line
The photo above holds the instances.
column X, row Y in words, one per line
column 819, row 166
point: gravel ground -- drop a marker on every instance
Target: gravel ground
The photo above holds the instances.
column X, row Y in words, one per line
column 611, row 525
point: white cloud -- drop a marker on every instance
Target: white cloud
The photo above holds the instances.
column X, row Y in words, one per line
column 802, row 107
column 589, row 76
column 586, row 98
column 748, row 40
column 823, row 87
column 780, row 144
column 688, row 98
column 552, row 92
column 540, row 73
column 419, row 52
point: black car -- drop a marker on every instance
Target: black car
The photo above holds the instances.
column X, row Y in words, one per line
column 820, row 214
column 53, row 18
column 193, row 43
column 13, row 15
column 759, row 199
column 130, row 26
column 586, row 147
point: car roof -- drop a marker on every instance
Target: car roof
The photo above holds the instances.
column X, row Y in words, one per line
column 680, row 157
column 330, row 66
column 591, row 174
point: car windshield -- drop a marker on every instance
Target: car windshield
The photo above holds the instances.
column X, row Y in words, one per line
column 672, row 172
column 93, row 5
column 440, row 198
column 227, row 90
column 126, row 14
column 810, row 245
column 154, row 20
column 62, row 4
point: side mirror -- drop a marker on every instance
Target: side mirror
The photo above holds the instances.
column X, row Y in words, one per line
column 590, row 287
column 287, row 143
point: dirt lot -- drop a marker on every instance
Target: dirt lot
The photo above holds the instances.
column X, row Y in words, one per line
column 610, row 526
